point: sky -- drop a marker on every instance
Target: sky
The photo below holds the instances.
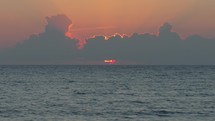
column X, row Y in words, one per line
column 90, row 18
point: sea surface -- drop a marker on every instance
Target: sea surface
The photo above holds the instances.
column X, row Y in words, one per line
column 107, row 93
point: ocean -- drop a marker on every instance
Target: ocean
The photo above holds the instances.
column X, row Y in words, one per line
column 107, row 93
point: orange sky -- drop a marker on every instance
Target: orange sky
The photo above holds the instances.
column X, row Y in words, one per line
column 21, row 18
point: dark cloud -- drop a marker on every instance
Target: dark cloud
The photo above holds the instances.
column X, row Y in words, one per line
column 58, row 23
column 49, row 47
column 53, row 47
column 165, row 48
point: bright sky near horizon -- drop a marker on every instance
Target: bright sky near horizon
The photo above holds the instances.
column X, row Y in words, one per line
column 21, row 18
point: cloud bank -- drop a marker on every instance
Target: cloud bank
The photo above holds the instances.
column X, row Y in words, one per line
column 166, row 48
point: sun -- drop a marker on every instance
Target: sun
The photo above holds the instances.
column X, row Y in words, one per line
column 110, row 62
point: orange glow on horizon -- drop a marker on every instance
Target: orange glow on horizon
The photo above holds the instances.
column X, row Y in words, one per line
column 110, row 61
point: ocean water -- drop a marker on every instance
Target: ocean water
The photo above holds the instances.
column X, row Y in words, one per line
column 107, row 93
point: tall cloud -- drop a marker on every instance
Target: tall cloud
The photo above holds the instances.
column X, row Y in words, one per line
column 53, row 47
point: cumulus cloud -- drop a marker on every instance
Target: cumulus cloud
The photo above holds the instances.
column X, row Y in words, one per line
column 53, row 47
column 165, row 48
column 58, row 23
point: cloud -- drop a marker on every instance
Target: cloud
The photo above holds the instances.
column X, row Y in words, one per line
column 165, row 48
column 58, row 23
column 84, row 34
column 53, row 47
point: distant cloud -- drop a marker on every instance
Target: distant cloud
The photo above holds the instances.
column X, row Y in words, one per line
column 165, row 48
column 82, row 34
column 58, row 23
column 166, row 32
column 53, row 47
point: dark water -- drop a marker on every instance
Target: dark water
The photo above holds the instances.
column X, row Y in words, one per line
column 107, row 93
